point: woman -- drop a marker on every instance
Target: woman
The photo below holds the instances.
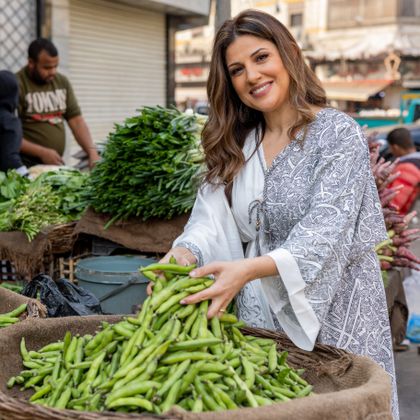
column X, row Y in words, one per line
column 289, row 180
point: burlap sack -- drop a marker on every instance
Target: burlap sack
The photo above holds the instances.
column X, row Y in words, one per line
column 397, row 305
column 347, row 386
column 30, row 258
column 10, row 300
column 154, row 235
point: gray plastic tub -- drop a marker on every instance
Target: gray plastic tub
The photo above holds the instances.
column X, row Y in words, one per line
column 115, row 281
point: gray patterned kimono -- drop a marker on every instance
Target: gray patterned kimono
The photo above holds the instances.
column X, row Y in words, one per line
column 316, row 212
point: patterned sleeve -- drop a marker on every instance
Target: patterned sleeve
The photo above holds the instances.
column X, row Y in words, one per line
column 344, row 220
column 211, row 233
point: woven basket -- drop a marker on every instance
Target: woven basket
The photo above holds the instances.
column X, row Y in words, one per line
column 349, row 387
column 10, row 300
column 61, row 238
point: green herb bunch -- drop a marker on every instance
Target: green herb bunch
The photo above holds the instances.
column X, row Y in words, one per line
column 52, row 198
column 149, row 167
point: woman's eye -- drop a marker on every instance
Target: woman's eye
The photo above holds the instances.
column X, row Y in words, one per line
column 235, row 71
column 261, row 57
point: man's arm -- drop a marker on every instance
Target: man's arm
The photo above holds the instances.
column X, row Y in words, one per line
column 45, row 154
column 82, row 135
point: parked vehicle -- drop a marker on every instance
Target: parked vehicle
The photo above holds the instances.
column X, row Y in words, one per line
column 202, row 108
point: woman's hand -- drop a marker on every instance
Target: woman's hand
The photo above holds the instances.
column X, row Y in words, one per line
column 230, row 278
column 183, row 256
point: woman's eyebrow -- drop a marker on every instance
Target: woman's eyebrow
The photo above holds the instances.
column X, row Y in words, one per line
column 252, row 55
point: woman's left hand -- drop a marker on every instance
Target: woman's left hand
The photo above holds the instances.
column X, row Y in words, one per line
column 230, row 277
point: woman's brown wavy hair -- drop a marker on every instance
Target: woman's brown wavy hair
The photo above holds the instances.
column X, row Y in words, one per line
column 229, row 119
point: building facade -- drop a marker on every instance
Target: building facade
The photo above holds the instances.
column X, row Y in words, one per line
column 366, row 52
column 118, row 54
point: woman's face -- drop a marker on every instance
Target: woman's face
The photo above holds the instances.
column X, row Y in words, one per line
column 257, row 73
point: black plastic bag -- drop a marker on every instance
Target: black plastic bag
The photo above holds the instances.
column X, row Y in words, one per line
column 62, row 298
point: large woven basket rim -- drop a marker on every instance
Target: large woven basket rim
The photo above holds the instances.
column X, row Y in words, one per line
column 21, row 409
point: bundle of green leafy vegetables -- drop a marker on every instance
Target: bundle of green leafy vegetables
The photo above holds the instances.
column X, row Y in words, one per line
column 149, row 167
column 53, row 198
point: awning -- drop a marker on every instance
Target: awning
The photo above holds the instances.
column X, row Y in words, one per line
column 364, row 43
column 354, row 90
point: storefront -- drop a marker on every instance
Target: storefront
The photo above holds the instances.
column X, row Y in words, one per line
column 118, row 55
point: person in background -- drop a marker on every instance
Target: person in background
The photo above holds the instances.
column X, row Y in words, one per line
column 10, row 127
column 46, row 99
column 402, row 147
column 290, row 178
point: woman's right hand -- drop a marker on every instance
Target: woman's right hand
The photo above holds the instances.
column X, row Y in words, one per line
column 182, row 255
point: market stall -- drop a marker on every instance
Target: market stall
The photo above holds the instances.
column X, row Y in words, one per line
column 168, row 360
column 37, row 217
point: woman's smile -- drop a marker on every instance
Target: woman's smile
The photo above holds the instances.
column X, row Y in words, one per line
column 261, row 90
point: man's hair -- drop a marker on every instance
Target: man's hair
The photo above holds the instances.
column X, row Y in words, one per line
column 401, row 137
column 39, row 45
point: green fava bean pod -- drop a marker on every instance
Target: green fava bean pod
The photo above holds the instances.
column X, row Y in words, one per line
column 198, row 405
column 272, row 358
column 170, row 268
column 171, row 301
column 207, row 399
column 64, row 399
column 171, row 398
column 179, row 372
column 180, row 356
column 133, row 388
column 57, row 391
column 132, row 401
column 41, row 392
column 194, row 344
column 16, row 312
column 70, row 352
column 23, row 351
column 249, row 372
column 185, row 311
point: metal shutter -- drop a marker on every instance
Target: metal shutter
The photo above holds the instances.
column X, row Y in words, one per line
column 116, row 61
column 17, row 30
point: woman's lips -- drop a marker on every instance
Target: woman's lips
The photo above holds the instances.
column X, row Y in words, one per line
column 261, row 90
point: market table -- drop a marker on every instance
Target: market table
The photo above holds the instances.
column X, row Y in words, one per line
column 153, row 235
column 31, row 258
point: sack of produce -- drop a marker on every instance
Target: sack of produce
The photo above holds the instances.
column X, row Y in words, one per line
column 61, row 297
column 170, row 360
column 345, row 386
column 15, row 308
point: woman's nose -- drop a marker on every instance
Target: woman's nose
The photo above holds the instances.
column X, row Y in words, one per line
column 253, row 75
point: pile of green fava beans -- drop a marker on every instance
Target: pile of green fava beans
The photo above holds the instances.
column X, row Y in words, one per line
column 168, row 355
column 12, row 317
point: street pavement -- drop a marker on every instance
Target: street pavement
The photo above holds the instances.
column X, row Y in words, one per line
column 407, row 366
column 407, row 363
